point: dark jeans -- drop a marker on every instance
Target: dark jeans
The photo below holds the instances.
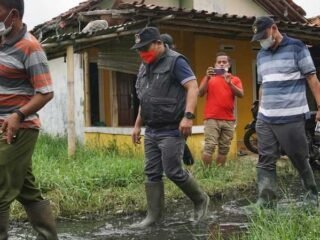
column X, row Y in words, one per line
column 164, row 154
column 16, row 178
column 292, row 139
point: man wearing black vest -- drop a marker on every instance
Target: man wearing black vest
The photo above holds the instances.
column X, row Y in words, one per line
column 168, row 90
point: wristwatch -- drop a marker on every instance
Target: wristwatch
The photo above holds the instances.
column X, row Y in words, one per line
column 20, row 114
column 189, row 115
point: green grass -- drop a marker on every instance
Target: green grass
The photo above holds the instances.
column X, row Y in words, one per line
column 291, row 223
column 105, row 181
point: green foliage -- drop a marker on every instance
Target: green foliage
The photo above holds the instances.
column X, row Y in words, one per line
column 90, row 182
column 284, row 224
column 96, row 181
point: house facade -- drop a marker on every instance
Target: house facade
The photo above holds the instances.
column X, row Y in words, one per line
column 104, row 70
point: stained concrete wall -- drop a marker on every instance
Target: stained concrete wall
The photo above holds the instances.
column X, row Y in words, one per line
column 54, row 115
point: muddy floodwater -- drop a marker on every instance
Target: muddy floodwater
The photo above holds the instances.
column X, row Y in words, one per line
column 223, row 216
column 227, row 217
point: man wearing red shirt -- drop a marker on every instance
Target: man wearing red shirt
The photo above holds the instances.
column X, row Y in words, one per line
column 221, row 88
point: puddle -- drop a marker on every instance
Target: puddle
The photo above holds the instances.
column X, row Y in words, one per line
column 226, row 218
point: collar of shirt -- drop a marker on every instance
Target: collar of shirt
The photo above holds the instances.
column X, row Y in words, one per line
column 283, row 42
column 17, row 37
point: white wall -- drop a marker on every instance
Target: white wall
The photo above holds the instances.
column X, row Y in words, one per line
column 239, row 7
column 54, row 115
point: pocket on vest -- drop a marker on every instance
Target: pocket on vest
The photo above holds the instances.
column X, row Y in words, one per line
column 163, row 109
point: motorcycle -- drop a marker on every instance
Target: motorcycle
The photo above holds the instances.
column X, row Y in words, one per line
column 251, row 141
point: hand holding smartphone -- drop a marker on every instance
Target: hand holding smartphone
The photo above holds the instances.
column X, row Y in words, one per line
column 210, row 71
column 219, row 71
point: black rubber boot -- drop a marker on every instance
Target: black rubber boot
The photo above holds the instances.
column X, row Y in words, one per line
column 199, row 198
column 155, row 204
column 42, row 220
column 4, row 225
column 308, row 181
column 267, row 188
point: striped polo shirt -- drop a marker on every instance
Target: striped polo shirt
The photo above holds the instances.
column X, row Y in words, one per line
column 282, row 74
column 23, row 73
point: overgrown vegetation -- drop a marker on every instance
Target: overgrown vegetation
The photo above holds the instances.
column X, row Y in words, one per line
column 97, row 182
column 289, row 223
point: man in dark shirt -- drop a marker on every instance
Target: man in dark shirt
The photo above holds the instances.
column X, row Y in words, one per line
column 168, row 90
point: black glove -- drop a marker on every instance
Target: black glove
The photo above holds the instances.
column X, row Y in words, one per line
column 187, row 156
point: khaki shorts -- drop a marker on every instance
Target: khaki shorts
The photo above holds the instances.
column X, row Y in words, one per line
column 218, row 133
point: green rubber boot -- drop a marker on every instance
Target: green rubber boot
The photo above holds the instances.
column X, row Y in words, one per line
column 308, row 181
column 199, row 198
column 267, row 188
column 155, row 204
column 42, row 220
column 4, row 225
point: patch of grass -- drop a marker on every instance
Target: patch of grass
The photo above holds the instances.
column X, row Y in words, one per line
column 100, row 181
column 293, row 223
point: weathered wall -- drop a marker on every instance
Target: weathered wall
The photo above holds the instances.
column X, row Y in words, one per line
column 100, row 138
column 54, row 114
column 240, row 7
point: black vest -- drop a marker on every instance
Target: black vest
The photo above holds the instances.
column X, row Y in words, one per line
column 162, row 97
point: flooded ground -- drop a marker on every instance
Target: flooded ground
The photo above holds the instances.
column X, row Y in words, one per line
column 227, row 217
column 223, row 216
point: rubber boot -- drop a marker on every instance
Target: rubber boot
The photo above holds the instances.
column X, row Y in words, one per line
column 4, row 225
column 199, row 198
column 155, row 204
column 267, row 188
column 308, row 181
column 42, row 220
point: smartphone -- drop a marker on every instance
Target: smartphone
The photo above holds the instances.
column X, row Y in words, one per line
column 219, row 71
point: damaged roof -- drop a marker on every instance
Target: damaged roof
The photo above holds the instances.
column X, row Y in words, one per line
column 66, row 18
column 203, row 22
column 315, row 20
column 284, row 9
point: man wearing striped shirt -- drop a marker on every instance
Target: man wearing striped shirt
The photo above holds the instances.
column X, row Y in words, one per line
column 284, row 68
column 25, row 87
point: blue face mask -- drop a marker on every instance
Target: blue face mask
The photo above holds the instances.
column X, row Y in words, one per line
column 3, row 30
column 267, row 43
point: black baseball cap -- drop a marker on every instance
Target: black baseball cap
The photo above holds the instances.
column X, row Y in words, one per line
column 146, row 36
column 259, row 27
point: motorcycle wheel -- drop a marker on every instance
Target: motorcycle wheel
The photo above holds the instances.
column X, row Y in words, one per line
column 250, row 140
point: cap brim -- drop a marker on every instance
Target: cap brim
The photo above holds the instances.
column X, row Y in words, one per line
column 141, row 44
column 258, row 36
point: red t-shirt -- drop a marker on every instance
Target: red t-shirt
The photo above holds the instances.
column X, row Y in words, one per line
column 220, row 98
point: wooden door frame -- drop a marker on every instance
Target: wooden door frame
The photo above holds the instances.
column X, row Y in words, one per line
column 114, row 99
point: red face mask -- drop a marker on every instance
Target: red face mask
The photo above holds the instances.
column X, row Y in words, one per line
column 148, row 56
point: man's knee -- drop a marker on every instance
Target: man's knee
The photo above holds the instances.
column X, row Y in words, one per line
column 177, row 175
